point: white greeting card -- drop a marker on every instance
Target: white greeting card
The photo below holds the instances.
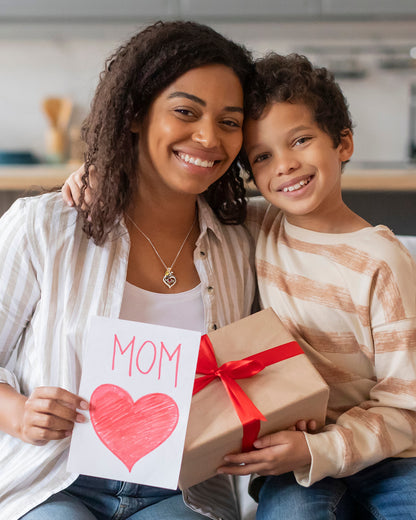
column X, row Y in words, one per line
column 138, row 379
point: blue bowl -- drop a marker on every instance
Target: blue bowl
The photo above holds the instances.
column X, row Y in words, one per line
column 17, row 158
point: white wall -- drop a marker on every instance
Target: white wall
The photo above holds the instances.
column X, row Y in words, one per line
column 63, row 60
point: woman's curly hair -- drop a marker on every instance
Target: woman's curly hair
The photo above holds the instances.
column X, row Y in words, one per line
column 294, row 79
column 134, row 75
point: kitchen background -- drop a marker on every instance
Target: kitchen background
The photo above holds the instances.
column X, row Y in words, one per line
column 52, row 48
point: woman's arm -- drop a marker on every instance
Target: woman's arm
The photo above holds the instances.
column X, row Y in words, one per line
column 47, row 414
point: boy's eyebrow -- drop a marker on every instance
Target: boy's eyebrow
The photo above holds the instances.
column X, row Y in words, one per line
column 300, row 128
column 201, row 102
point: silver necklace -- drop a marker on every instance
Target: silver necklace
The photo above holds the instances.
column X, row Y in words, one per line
column 169, row 278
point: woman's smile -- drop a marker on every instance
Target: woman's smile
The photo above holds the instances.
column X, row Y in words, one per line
column 197, row 161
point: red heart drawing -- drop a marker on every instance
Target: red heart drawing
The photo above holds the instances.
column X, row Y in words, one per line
column 130, row 429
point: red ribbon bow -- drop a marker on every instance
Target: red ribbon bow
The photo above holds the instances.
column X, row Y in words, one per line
column 249, row 415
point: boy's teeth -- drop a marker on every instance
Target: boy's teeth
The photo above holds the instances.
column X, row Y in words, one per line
column 296, row 186
column 195, row 160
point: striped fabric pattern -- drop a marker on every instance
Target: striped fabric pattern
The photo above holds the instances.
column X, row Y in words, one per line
column 350, row 301
column 53, row 279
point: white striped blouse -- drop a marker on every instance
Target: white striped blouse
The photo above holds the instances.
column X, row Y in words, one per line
column 52, row 280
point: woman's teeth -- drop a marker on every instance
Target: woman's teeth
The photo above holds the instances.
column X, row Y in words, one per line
column 195, row 160
column 297, row 186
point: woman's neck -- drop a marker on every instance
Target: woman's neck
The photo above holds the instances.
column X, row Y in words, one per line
column 166, row 216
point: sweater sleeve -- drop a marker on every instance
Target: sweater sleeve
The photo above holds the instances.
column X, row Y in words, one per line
column 384, row 425
column 19, row 286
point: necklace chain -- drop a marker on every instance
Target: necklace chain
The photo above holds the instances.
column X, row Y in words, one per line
column 169, row 278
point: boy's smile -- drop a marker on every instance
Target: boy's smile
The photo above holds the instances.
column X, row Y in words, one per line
column 295, row 163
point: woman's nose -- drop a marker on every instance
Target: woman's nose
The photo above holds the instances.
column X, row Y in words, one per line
column 206, row 134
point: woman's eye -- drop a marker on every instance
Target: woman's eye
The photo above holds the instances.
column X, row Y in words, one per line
column 260, row 158
column 184, row 112
column 231, row 123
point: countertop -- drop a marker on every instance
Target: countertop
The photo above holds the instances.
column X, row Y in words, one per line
column 380, row 176
column 358, row 176
column 24, row 177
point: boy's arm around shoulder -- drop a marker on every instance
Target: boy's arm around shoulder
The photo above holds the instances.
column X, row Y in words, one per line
column 256, row 211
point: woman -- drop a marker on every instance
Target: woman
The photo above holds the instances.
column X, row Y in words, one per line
column 155, row 243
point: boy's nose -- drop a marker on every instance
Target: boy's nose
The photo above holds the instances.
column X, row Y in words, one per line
column 286, row 164
column 206, row 134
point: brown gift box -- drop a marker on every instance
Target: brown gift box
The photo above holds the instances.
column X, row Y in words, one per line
column 284, row 392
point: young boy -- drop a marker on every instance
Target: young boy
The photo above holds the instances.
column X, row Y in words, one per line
column 347, row 293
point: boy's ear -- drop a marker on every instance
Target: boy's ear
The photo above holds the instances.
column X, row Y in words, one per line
column 346, row 145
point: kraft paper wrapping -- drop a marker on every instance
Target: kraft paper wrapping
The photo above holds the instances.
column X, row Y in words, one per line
column 284, row 392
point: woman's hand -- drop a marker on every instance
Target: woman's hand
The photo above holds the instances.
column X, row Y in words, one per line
column 275, row 454
column 71, row 190
column 49, row 413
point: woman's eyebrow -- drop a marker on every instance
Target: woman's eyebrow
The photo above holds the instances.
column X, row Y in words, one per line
column 188, row 96
column 201, row 102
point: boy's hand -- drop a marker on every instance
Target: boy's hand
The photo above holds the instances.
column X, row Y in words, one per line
column 71, row 190
column 49, row 413
column 275, row 454
column 303, row 426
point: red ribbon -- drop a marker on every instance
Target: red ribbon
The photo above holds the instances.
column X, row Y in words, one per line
column 249, row 415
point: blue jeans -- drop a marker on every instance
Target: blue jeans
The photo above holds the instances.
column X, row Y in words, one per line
column 385, row 491
column 90, row 498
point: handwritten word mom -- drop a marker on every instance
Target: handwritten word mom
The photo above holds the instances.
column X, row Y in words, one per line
column 147, row 356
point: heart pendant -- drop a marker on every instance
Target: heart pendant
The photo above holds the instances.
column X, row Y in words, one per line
column 169, row 279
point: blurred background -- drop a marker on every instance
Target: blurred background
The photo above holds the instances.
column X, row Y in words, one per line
column 51, row 52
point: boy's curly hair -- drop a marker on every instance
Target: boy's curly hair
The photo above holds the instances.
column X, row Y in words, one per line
column 294, row 79
column 133, row 77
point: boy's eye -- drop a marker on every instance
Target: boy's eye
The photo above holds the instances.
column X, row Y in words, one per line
column 302, row 140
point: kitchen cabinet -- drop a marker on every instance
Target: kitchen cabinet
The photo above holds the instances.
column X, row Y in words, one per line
column 218, row 10
column 395, row 209
column 249, row 8
column 372, row 8
column 86, row 10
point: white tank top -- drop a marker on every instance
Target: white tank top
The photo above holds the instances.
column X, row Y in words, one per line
column 183, row 310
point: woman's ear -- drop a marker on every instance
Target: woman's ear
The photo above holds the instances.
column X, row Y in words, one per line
column 135, row 127
column 346, row 145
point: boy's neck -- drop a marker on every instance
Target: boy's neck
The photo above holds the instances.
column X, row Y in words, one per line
column 338, row 220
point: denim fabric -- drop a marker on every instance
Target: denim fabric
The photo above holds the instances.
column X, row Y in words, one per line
column 90, row 498
column 385, row 491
